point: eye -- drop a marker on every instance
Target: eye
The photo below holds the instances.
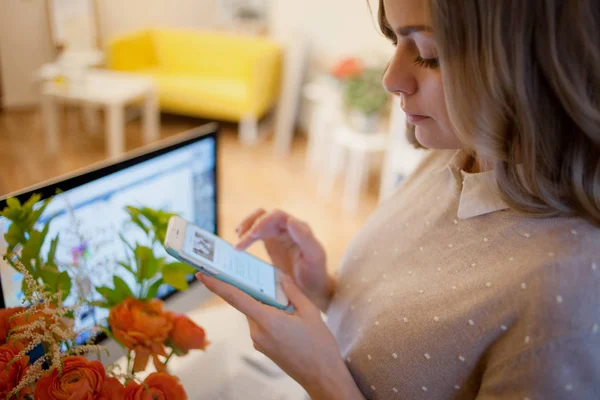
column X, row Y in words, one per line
column 432, row 63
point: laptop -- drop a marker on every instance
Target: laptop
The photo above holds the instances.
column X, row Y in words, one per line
column 178, row 174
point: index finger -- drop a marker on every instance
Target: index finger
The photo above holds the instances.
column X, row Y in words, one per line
column 249, row 221
column 265, row 226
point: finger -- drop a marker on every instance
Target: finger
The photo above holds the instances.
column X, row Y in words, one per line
column 249, row 221
column 265, row 226
column 301, row 233
column 295, row 296
column 236, row 298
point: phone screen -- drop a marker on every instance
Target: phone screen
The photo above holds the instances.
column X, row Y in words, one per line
column 220, row 255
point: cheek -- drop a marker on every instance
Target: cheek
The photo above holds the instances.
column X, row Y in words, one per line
column 439, row 133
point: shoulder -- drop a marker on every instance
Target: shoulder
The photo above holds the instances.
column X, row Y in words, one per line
column 564, row 288
column 552, row 343
column 554, row 284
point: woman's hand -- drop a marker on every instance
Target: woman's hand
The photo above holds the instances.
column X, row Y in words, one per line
column 293, row 248
column 300, row 343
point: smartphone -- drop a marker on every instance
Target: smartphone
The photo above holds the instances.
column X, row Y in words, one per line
column 216, row 257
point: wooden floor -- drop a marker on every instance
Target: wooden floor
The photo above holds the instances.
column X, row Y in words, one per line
column 250, row 177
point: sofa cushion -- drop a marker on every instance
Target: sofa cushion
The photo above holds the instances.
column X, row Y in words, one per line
column 227, row 99
column 208, row 54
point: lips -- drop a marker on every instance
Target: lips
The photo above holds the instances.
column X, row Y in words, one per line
column 413, row 118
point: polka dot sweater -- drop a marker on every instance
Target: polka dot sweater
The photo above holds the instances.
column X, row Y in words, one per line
column 446, row 293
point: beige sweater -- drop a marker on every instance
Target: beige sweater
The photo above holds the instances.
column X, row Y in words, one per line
column 447, row 294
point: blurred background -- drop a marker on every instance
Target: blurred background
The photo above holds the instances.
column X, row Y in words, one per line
column 295, row 86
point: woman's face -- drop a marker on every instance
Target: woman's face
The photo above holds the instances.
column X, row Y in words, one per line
column 414, row 74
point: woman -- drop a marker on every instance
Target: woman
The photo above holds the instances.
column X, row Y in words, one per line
column 480, row 277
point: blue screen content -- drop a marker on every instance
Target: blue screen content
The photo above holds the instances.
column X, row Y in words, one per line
column 90, row 218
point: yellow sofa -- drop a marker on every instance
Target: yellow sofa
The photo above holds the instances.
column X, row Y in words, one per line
column 205, row 74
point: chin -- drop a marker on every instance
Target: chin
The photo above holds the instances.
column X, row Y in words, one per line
column 434, row 139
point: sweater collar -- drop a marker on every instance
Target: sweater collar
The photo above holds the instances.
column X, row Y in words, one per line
column 478, row 192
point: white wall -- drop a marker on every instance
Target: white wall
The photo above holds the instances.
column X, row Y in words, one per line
column 333, row 28
column 123, row 16
column 24, row 46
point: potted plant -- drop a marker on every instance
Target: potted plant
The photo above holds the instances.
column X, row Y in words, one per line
column 365, row 99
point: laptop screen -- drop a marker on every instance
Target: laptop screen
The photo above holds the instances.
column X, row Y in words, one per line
column 89, row 214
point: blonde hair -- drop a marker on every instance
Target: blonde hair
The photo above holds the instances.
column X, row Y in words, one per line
column 522, row 87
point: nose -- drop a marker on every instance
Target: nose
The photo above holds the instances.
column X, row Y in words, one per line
column 399, row 78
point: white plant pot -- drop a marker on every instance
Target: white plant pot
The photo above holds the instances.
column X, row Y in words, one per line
column 364, row 123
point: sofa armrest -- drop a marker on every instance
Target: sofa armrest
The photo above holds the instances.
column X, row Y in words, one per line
column 132, row 52
column 265, row 77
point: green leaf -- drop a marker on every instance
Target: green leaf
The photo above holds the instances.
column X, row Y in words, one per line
column 147, row 265
column 122, row 287
column 134, row 215
column 34, row 216
column 50, row 276
column 31, row 249
column 13, row 202
column 14, row 236
column 53, row 247
column 64, row 284
column 112, row 297
column 153, row 289
column 15, row 215
column 175, row 274
column 32, row 201
column 127, row 267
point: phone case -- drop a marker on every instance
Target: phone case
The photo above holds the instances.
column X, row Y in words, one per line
column 224, row 278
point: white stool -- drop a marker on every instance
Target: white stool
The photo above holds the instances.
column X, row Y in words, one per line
column 326, row 114
column 358, row 146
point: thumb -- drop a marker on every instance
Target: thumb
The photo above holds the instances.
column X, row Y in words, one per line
column 304, row 238
column 296, row 297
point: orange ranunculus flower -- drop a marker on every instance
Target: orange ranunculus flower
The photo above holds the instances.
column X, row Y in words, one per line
column 158, row 385
column 186, row 335
column 80, row 379
column 5, row 315
column 347, row 68
column 112, row 390
column 141, row 326
column 11, row 376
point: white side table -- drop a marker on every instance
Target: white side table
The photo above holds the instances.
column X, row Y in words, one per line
column 108, row 89
column 327, row 112
column 358, row 146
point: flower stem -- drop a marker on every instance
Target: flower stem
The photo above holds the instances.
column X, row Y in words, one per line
column 169, row 357
column 129, row 362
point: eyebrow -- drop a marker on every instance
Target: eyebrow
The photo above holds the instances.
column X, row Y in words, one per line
column 407, row 30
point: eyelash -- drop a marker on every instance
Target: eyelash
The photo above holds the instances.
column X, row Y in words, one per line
column 432, row 63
